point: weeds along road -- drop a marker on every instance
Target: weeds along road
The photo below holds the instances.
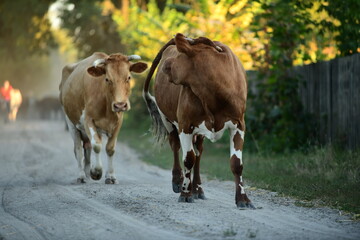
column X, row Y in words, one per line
column 40, row 199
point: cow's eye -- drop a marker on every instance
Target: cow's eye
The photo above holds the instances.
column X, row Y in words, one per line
column 108, row 80
column 128, row 78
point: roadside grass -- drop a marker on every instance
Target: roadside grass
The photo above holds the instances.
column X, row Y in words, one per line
column 326, row 174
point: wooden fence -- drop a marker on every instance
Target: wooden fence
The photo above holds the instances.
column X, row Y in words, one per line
column 330, row 91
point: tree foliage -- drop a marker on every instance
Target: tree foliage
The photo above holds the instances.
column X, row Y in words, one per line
column 91, row 27
column 347, row 27
column 275, row 110
column 24, row 28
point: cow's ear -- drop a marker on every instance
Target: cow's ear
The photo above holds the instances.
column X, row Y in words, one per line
column 183, row 45
column 96, row 71
column 138, row 67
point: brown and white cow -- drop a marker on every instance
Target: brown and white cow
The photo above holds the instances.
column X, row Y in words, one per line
column 94, row 93
column 200, row 91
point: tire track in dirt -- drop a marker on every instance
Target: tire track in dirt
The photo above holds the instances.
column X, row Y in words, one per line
column 15, row 226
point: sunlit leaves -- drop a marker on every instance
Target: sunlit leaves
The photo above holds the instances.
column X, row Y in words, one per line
column 347, row 25
column 147, row 31
column 91, row 27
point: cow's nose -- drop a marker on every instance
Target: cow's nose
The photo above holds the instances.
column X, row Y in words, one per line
column 120, row 106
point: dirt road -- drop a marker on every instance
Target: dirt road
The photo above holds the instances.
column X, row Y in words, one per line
column 40, row 199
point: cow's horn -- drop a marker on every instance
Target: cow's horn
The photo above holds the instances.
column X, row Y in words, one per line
column 97, row 62
column 190, row 40
column 134, row 57
column 219, row 48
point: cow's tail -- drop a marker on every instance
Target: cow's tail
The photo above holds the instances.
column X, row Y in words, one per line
column 158, row 127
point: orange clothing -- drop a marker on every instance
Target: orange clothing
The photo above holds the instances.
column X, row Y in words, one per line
column 6, row 92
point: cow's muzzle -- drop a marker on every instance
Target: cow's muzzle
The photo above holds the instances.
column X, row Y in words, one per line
column 120, row 107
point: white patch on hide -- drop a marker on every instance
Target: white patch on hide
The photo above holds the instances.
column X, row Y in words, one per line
column 233, row 151
column 186, row 143
column 211, row 134
column 242, row 189
column 186, row 183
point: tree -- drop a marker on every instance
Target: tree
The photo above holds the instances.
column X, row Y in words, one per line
column 90, row 24
column 347, row 27
column 276, row 118
column 24, row 28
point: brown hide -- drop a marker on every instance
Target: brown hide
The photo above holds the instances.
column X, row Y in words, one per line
column 97, row 90
column 197, row 83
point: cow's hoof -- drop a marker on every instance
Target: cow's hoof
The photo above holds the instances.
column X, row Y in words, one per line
column 176, row 187
column 111, row 181
column 201, row 196
column 96, row 173
column 81, row 180
column 245, row 205
column 188, row 199
column 250, row 205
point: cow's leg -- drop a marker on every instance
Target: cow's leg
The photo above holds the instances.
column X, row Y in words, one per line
column 75, row 134
column 236, row 163
column 177, row 175
column 110, row 150
column 197, row 190
column 87, row 153
column 189, row 160
column 95, row 139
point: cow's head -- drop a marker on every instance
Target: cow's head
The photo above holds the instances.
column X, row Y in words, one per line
column 115, row 72
column 199, row 60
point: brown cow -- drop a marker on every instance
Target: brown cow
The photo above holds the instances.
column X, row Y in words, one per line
column 200, row 91
column 94, row 93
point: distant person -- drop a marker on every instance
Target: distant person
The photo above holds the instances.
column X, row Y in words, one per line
column 13, row 100
column 5, row 91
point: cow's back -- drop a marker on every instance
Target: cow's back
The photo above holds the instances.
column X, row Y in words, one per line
column 72, row 86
